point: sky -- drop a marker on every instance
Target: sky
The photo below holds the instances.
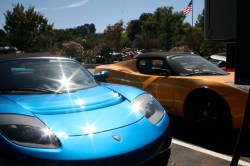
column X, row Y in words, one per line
column 72, row 13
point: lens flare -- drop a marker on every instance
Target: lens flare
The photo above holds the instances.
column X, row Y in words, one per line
column 89, row 129
column 80, row 102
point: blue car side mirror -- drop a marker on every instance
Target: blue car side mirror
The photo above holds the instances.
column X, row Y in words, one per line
column 101, row 77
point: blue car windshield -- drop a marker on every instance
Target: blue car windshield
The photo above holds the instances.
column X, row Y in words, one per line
column 43, row 76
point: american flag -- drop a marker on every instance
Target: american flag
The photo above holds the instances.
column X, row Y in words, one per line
column 189, row 8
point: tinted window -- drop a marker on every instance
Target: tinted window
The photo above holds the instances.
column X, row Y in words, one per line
column 193, row 64
column 149, row 66
column 52, row 74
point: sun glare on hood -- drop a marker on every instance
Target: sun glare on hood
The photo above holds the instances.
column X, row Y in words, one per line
column 89, row 129
column 80, row 103
column 61, row 134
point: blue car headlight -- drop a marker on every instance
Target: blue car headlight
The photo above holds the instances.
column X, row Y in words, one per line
column 149, row 107
column 27, row 131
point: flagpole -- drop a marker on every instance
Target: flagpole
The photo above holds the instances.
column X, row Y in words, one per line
column 189, row 9
column 192, row 11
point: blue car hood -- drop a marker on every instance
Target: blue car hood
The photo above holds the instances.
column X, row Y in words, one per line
column 99, row 108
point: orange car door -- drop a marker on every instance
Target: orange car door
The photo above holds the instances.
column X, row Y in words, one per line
column 161, row 87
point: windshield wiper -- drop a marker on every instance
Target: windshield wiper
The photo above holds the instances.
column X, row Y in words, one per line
column 16, row 90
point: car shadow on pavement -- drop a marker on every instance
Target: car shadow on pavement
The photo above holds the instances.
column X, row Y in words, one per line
column 220, row 141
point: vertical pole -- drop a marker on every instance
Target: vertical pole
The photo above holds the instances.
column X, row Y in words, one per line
column 242, row 135
column 47, row 40
column 243, row 78
column 192, row 12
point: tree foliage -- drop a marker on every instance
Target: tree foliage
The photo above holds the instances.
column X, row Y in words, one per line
column 164, row 28
column 205, row 47
column 74, row 50
column 27, row 30
column 125, row 41
column 62, row 35
column 113, row 34
column 133, row 28
column 200, row 21
column 3, row 41
column 83, row 30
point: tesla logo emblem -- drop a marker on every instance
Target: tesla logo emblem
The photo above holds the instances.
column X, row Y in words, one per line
column 117, row 137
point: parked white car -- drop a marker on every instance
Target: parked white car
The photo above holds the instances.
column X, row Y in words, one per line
column 218, row 59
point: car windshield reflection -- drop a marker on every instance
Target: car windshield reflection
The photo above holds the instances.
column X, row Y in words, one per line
column 193, row 65
column 44, row 76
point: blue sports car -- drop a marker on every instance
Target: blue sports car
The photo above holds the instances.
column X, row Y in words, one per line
column 54, row 112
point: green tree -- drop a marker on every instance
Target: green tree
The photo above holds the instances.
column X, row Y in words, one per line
column 105, row 52
column 125, row 41
column 61, row 36
column 149, row 28
column 74, row 50
column 163, row 29
column 200, row 21
column 113, row 34
column 133, row 28
column 3, row 41
column 145, row 16
column 84, row 34
column 201, row 46
column 194, row 39
column 90, row 56
column 27, row 30
column 170, row 27
column 83, row 30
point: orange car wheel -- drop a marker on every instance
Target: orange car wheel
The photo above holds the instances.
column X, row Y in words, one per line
column 207, row 109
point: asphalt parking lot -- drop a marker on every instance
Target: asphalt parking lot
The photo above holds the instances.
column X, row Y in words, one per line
column 196, row 147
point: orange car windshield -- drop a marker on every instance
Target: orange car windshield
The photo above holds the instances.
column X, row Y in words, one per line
column 194, row 65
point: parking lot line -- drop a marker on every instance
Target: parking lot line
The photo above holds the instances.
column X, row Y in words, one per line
column 209, row 152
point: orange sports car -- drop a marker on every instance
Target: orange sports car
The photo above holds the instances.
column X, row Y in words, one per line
column 188, row 85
